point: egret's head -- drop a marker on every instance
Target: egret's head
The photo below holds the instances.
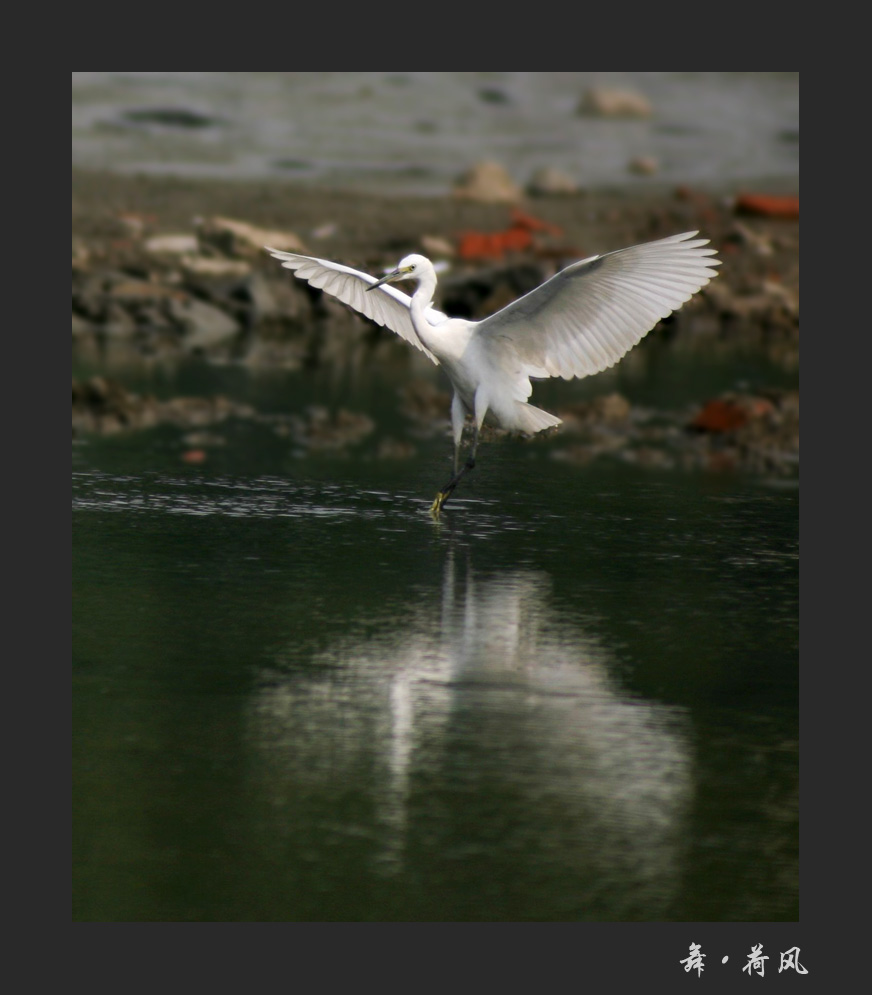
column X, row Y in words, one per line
column 411, row 267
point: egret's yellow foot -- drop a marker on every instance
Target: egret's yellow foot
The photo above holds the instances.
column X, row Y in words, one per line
column 438, row 501
column 448, row 489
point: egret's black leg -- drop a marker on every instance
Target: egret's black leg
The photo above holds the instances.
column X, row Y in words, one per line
column 448, row 489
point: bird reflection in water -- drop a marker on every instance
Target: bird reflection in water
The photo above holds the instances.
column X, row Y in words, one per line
column 488, row 729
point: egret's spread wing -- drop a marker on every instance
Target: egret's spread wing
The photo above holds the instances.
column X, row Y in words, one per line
column 385, row 305
column 587, row 316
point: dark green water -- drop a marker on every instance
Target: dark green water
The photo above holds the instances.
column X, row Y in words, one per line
column 298, row 698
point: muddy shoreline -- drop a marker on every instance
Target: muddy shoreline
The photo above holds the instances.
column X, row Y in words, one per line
column 164, row 266
column 593, row 221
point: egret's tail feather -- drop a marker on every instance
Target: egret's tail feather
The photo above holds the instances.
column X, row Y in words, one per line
column 530, row 419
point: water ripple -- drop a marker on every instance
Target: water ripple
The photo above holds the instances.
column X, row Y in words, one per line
column 272, row 497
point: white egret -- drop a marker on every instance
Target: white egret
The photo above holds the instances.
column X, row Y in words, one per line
column 579, row 322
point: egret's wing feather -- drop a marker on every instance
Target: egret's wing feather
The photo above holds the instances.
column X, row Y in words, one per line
column 589, row 315
column 385, row 305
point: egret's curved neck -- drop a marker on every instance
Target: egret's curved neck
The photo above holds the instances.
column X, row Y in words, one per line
column 423, row 295
column 422, row 299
